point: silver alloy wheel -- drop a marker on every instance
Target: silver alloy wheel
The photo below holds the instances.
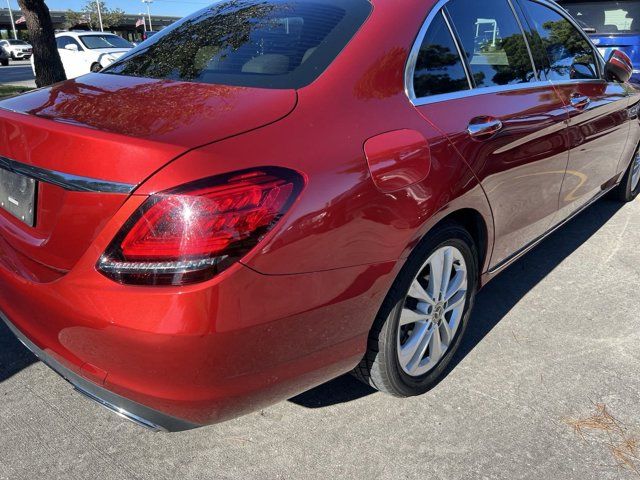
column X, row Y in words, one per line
column 432, row 311
column 635, row 171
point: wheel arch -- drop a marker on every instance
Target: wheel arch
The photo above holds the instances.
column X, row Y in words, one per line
column 476, row 219
column 474, row 223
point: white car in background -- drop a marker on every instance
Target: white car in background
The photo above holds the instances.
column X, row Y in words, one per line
column 17, row 49
column 82, row 52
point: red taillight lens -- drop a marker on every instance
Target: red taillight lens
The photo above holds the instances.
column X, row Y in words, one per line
column 192, row 233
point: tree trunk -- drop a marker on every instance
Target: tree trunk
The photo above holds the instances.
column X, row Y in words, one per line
column 46, row 59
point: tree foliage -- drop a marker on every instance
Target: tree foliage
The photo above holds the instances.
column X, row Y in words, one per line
column 185, row 50
column 89, row 16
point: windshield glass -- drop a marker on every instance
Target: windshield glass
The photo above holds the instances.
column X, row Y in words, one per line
column 17, row 42
column 606, row 17
column 104, row 41
column 253, row 43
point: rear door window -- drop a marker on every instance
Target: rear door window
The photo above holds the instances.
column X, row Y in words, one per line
column 569, row 56
column 493, row 42
column 254, row 43
column 439, row 68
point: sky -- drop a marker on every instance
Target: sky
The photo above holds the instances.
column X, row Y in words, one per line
column 178, row 8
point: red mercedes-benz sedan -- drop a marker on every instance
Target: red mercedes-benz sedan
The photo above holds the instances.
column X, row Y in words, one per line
column 271, row 193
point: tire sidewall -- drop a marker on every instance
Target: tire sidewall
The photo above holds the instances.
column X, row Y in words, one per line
column 629, row 195
column 451, row 235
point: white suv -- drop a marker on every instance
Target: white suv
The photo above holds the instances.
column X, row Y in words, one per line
column 17, row 49
column 82, row 52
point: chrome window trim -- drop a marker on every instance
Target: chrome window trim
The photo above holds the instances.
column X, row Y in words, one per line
column 418, row 102
column 67, row 181
column 477, row 92
column 456, row 42
column 410, row 67
column 524, row 36
column 437, row 8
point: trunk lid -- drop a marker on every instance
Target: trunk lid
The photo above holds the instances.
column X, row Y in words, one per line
column 111, row 133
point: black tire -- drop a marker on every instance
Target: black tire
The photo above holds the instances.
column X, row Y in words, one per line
column 624, row 191
column 380, row 367
column 96, row 67
column 4, row 62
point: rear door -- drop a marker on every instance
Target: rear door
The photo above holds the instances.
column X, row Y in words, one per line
column 598, row 117
column 72, row 60
column 475, row 80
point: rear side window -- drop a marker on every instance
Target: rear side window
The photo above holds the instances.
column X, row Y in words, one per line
column 253, row 43
column 493, row 42
column 439, row 68
column 569, row 55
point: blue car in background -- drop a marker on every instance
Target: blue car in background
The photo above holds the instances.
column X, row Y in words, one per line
column 611, row 25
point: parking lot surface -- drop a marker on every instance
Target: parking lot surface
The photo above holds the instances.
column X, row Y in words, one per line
column 546, row 386
column 18, row 72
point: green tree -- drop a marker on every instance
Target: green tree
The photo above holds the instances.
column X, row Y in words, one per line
column 89, row 16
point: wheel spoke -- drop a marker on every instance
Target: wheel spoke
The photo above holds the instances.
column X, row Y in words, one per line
column 447, row 265
column 435, row 346
column 421, row 349
column 418, row 292
column 446, row 334
column 457, row 282
column 435, row 277
column 456, row 301
column 408, row 316
column 411, row 348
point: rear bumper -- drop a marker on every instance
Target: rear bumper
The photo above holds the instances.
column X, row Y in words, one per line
column 135, row 412
column 176, row 358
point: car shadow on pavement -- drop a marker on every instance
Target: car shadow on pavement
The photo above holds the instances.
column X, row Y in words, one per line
column 13, row 355
column 493, row 302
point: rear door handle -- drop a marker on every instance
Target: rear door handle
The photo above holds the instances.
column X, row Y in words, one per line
column 484, row 127
column 579, row 101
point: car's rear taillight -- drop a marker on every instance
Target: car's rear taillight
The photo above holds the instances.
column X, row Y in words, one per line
column 192, row 233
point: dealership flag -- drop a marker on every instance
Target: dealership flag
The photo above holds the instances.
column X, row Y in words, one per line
column 21, row 20
column 140, row 22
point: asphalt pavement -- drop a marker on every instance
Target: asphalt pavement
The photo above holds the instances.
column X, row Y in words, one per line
column 18, row 72
column 546, row 386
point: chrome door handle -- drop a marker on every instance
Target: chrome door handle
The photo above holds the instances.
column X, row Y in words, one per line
column 579, row 101
column 484, row 127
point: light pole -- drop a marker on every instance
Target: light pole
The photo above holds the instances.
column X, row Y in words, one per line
column 13, row 24
column 99, row 15
column 149, row 2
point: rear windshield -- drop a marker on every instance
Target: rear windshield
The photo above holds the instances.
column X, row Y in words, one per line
column 104, row 41
column 606, row 17
column 17, row 42
column 253, row 43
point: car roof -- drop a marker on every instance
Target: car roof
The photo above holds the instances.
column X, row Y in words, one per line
column 76, row 33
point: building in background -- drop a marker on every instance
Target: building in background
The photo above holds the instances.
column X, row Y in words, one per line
column 127, row 30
